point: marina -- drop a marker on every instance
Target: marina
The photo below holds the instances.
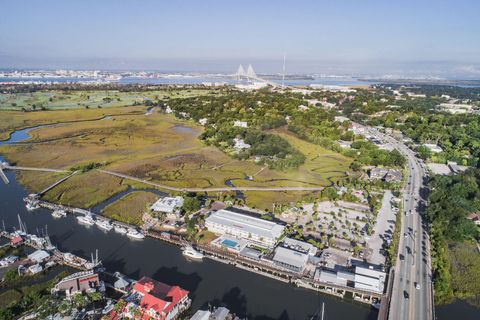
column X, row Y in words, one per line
column 167, row 263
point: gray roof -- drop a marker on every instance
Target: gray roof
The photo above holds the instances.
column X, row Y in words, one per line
column 220, row 313
column 299, row 245
column 251, row 253
column 290, row 257
column 201, row 315
column 257, row 226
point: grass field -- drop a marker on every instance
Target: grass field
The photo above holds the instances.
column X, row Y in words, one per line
column 130, row 208
column 158, row 148
column 56, row 99
column 85, row 190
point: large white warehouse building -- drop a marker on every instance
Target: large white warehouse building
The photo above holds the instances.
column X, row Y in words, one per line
column 262, row 232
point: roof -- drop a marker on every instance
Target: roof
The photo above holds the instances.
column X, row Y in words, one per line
column 368, row 279
column 290, row 257
column 220, row 313
column 329, row 276
column 16, row 240
column 157, row 295
column 299, row 245
column 251, row 253
column 39, row 255
column 201, row 315
column 167, row 204
column 257, row 226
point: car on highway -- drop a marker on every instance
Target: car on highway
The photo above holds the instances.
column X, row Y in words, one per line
column 405, row 294
column 417, row 285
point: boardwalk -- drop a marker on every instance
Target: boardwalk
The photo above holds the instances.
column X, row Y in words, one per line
column 35, row 169
column 57, row 183
column 220, row 189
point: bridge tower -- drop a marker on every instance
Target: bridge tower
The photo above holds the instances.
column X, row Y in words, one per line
column 240, row 72
column 250, row 72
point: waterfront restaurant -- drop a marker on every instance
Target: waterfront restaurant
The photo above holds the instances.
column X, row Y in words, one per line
column 257, row 231
column 155, row 300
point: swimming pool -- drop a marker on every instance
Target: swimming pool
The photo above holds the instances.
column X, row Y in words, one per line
column 230, row 243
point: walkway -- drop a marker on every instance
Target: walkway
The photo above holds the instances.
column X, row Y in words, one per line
column 162, row 186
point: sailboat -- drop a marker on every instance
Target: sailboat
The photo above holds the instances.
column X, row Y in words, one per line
column 316, row 315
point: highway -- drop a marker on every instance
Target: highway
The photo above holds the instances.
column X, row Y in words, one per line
column 412, row 287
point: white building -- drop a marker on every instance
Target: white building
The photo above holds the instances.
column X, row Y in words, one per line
column 302, row 107
column 369, row 279
column 341, row 119
column 455, row 108
column 203, row 121
column 433, row 147
column 34, row 269
column 261, row 232
column 201, row 315
column 168, row 205
column 168, row 110
column 331, row 88
column 290, row 259
column 300, row 246
column 240, row 145
column 251, row 86
column 241, row 124
column 39, row 256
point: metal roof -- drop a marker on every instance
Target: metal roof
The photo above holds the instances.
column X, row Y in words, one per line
column 257, row 226
column 290, row 257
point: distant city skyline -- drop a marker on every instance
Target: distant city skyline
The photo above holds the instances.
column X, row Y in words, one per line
column 407, row 38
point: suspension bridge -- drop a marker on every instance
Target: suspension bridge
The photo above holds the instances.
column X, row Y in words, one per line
column 250, row 75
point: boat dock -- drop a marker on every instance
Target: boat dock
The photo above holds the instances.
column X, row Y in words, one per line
column 57, row 256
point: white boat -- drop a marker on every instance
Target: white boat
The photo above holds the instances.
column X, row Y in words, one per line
column 120, row 229
column 86, row 219
column 32, row 206
column 189, row 252
column 59, row 214
column 134, row 234
column 104, row 224
column 376, row 305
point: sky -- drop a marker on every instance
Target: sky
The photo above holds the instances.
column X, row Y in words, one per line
column 423, row 37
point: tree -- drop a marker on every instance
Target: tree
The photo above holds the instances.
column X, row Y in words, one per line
column 190, row 204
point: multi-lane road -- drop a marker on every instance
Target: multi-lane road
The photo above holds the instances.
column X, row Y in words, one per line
column 412, row 282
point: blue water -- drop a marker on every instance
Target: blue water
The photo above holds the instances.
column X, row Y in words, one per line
column 22, row 134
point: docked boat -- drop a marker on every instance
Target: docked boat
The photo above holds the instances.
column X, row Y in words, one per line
column 104, row 224
column 134, row 234
column 32, row 206
column 120, row 229
column 86, row 219
column 190, row 252
column 376, row 305
column 59, row 214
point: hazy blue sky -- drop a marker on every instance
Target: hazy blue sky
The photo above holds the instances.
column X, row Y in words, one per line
column 411, row 37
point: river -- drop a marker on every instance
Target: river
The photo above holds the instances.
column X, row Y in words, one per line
column 243, row 292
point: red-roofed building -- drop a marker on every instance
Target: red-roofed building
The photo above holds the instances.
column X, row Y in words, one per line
column 151, row 299
column 16, row 241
